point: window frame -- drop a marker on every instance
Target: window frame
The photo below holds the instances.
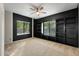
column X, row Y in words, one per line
column 24, row 33
column 49, row 27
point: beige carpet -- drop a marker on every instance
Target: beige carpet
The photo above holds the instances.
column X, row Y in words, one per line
column 39, row 47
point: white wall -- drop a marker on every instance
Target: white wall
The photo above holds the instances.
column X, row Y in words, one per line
column 2, row 27
column 8, row 27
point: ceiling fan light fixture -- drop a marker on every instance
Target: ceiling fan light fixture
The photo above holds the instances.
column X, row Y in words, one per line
column 38, row 10
column 38, row 13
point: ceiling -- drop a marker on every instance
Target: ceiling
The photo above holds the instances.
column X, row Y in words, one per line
column 50, row 8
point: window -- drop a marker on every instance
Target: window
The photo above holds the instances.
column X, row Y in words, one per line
column 19, row 27
column 53, row 28
column 49, row 28
column 46, row 28
column 23, row 27
column 26, row 27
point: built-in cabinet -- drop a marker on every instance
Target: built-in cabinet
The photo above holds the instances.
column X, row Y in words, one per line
column 71, row 31
column 60, row 30
column 67, row 31
column 66, row 27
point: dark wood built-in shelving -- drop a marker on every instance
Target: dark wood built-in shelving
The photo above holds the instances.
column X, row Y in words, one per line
column 66, row 27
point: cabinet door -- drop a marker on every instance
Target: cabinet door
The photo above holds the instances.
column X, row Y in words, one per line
column 71, row 31
column 60, row 30
column 37, row 29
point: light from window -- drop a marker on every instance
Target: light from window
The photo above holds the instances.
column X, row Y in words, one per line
column 23, row 27
column 46, row 28
column 42, row 28
column 53, row 28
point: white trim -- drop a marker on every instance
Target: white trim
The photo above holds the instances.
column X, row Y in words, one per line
column 22, row 34
column 2, row 26
column 11, row 27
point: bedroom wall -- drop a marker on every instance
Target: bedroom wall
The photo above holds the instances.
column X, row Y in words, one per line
column 2, row 22
column 8, row 27
column 21, row 18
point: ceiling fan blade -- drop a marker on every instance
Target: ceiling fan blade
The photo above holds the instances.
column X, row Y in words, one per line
column 40, row 5
column 41, row 8
column 35, row 7
column 44, row 12
column 32, row 9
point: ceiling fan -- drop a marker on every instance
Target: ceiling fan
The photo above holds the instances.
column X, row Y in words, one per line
column 37, row 9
